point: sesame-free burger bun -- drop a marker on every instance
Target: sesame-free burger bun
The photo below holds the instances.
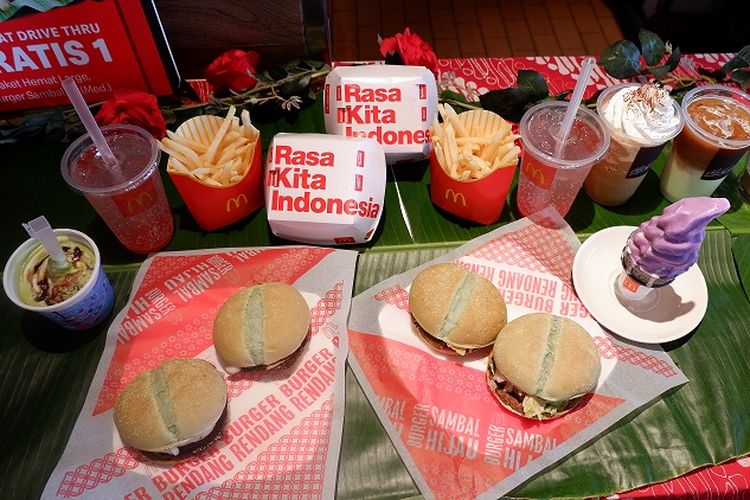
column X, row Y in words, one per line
column 549, row 358
column 261, row 326
column 173, row 405
column 460, row 310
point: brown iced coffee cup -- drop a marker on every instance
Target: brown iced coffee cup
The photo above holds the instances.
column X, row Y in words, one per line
column 641, row 119
column 716, row 135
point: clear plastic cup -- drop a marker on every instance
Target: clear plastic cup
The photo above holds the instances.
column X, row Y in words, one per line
column 546, row 180
column 616, row 177
column 701, row 158
column 131, row 199
column 89, row 306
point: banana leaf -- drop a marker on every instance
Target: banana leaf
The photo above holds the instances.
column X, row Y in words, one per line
column 703, row 422
column 741, row 249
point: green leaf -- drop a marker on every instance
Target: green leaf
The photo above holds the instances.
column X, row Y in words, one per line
column 449, row 95
column 742, row 77
column 264, row 78
column 277, row 73
column 621, row 59
column 659, row 71
column 591, row 101
column 532, row 84
column 674, row 59
column 652, row 47
column 740, row 60
column 508, row 103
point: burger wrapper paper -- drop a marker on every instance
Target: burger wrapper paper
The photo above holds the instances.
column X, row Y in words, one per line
column 282, row 433
column 451, row 433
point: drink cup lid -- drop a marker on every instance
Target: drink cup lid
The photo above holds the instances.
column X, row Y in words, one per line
column 545, row 150
column 737, row 96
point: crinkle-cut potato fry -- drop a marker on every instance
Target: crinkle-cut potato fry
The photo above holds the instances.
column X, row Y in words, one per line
column 218, row 156
column 474, row 146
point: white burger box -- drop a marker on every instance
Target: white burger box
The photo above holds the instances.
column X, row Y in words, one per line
column 394, row 105
column 324, row 189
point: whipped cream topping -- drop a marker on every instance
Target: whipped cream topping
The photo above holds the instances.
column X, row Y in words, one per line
column 667, row 245
column 645, row 112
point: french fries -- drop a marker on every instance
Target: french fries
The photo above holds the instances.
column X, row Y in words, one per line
column 219, row 156
column 469, row 150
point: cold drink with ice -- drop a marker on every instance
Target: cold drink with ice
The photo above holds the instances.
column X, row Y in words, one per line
column 641, row 119
column 716, row 135
column 549, row 179
column 130, row 198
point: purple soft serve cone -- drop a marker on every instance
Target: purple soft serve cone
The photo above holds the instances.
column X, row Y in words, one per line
column 666, row 245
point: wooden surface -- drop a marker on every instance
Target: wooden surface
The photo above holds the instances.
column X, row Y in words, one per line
column 198, row 31
column 475, row 28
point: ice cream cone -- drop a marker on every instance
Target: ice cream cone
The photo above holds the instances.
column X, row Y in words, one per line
column 638, row 274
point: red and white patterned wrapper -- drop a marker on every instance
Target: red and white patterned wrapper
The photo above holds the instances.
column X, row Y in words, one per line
column 283, row 431
column 455, row 439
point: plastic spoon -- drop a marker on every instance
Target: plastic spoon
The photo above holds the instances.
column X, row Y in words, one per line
column 40, row 230
column 575, row 103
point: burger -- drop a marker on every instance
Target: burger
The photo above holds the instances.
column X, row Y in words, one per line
column 542, row 366
column 263, row 326
column 455, row 310
column 173, row 409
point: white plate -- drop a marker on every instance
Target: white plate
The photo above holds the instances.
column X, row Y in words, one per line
column 677, row 309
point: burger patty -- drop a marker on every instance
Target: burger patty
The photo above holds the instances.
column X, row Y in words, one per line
column 438, row 344
column 509, row 395
column 288, row 361
column 191, row 449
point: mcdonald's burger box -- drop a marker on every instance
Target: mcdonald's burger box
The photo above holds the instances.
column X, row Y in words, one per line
column 324, row 189
column 392, row 104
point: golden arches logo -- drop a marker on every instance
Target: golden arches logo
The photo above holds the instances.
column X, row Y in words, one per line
column 137, row 203
column 236, row 202
column 535, row 174
column 455, row 196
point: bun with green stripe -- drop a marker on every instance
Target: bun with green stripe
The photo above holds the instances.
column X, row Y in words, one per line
column 542, row 366
column 173, row 407
column 261, row 326
column 456, row 310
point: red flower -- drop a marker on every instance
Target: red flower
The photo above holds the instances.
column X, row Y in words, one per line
column 234, row 70
column 412, row 49
column 133, row 107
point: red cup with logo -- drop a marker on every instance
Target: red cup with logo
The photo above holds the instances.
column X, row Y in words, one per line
column 479, row 200
column 130, row 199
column 215, row 206
column 324, row 189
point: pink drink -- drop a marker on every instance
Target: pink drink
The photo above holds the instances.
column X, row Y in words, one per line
column 545, row 179
column 130, row 199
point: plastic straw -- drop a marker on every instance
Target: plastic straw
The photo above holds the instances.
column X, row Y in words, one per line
column 575, row 103
column 40, row 230
column 84, row 113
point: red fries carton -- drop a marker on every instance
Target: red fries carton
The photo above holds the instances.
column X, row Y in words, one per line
column 394, row 105
column 214, row 204
column 324, row 189
column 476, row 199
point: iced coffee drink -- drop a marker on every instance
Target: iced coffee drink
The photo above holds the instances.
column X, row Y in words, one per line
column 716, row 135
column 641, row 119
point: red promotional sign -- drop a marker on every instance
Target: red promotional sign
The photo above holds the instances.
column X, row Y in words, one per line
column 103, row 45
